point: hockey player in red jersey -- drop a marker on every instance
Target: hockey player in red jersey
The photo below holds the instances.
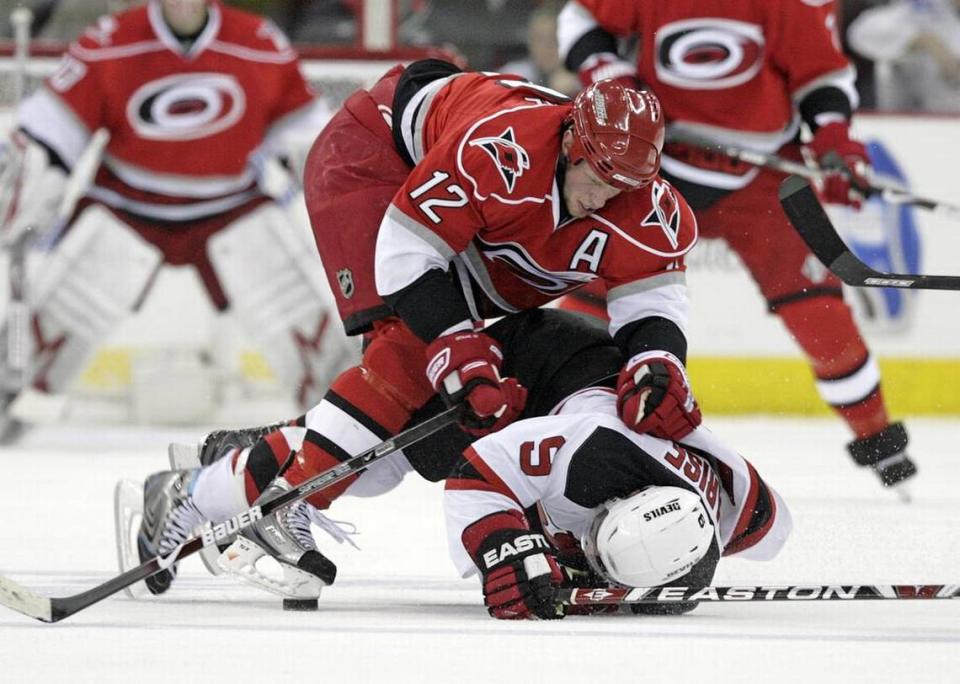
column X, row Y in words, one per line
column 748, row 73
column 441, row 198
column 195, row 97
column 526, row 503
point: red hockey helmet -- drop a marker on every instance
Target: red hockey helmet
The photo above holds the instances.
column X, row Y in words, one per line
column 619, row 131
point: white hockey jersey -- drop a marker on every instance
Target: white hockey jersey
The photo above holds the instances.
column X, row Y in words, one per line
column 567, row 464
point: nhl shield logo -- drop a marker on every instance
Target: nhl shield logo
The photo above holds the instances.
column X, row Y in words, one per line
column 345, row 279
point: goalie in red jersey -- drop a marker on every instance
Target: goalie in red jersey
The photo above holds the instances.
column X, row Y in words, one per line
column 196, row 98
column 438, row 199
column 747, row 73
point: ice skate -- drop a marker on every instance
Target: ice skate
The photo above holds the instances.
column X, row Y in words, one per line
column 170, row 518
column 886, row 453
column 285, row 536
column 215, row 446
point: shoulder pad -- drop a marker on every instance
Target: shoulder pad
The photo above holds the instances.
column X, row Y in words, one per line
column 512, row 155
column 656, row 219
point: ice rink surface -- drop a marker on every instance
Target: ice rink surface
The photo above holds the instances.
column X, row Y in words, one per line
column 399, row 613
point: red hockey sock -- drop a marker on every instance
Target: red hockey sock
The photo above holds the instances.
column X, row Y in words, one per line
column 847, row 376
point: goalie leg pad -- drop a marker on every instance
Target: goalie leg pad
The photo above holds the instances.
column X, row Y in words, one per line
column 274, row 282
column 89, row 283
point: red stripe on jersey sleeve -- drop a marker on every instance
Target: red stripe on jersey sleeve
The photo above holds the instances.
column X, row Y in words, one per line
column 493, row 480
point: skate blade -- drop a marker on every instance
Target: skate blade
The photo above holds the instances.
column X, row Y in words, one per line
column 247, row 560
column 903, row 492
column 127, row 514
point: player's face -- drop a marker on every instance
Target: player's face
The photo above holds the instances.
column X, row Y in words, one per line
column 185, row 16
column 583, row 191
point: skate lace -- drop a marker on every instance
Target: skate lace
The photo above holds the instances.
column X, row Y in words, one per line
column 340, row 530
column 180, row 524
column 297, row 521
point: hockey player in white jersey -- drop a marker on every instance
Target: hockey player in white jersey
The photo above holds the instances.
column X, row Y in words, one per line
column 195, row 97
column 556, row 355
column 579, row 495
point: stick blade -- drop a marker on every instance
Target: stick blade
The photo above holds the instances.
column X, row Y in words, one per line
column 19, row 598
column 810, row 220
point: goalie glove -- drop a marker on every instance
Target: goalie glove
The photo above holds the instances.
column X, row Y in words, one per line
column 844, row 162
column 653, row 396
column 520, row 571
column 464, row 367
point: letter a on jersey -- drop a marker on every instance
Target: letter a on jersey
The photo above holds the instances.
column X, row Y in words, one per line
column 665, row 213
column 510, row 158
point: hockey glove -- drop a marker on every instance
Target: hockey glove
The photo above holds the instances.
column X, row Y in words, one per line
column 653, row 396
column 464, row 368
column 605, row 65
column 844, row 162
column 520, row 571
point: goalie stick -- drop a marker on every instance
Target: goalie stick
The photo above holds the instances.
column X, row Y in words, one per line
column 23, row 600
column 808, row 217
column 888, row 190
column 18, row 312
column 606, row 596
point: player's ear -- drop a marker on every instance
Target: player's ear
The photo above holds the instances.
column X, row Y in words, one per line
column 567, row 142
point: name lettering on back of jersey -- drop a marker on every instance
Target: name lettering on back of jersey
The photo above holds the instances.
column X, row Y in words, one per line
column 665, row 213
column 510, row 159
column 186, row 106
column 708, row 53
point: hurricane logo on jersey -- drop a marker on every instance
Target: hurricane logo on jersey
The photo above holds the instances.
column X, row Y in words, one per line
column 665, row 213
column 708, row 53
column 186, row 106
column 522, row 264
column 510, row 158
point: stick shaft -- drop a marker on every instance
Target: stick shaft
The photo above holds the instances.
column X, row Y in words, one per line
column 889, row 190
column 600, row 596
column 21, row 599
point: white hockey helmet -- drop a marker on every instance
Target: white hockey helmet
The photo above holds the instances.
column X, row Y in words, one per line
column 649, row 538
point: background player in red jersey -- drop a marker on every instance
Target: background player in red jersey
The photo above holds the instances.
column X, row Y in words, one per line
column 195, row 97
column 525, row 504
column 748, row 73
column 441, row 198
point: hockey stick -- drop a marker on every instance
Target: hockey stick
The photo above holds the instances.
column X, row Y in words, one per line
column 890, row 191
column 18, row 311
column 21, row 599
column 606, row 596
column 810, row 220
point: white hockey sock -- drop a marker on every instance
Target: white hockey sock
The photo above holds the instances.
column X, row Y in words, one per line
column 218, row 492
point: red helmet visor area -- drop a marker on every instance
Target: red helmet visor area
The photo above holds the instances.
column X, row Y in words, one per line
column 619, row 132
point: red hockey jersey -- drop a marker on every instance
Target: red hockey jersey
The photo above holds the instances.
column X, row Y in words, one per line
column 732, row 70
column 484, row 194
column 183, row 121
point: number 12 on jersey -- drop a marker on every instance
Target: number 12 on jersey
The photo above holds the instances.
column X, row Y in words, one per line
column 458, row 196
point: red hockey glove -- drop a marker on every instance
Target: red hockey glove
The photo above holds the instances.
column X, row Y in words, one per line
column 653, row 396
column 465, row 367
column 520, row 571
column 608, row 65
column 844, row 162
